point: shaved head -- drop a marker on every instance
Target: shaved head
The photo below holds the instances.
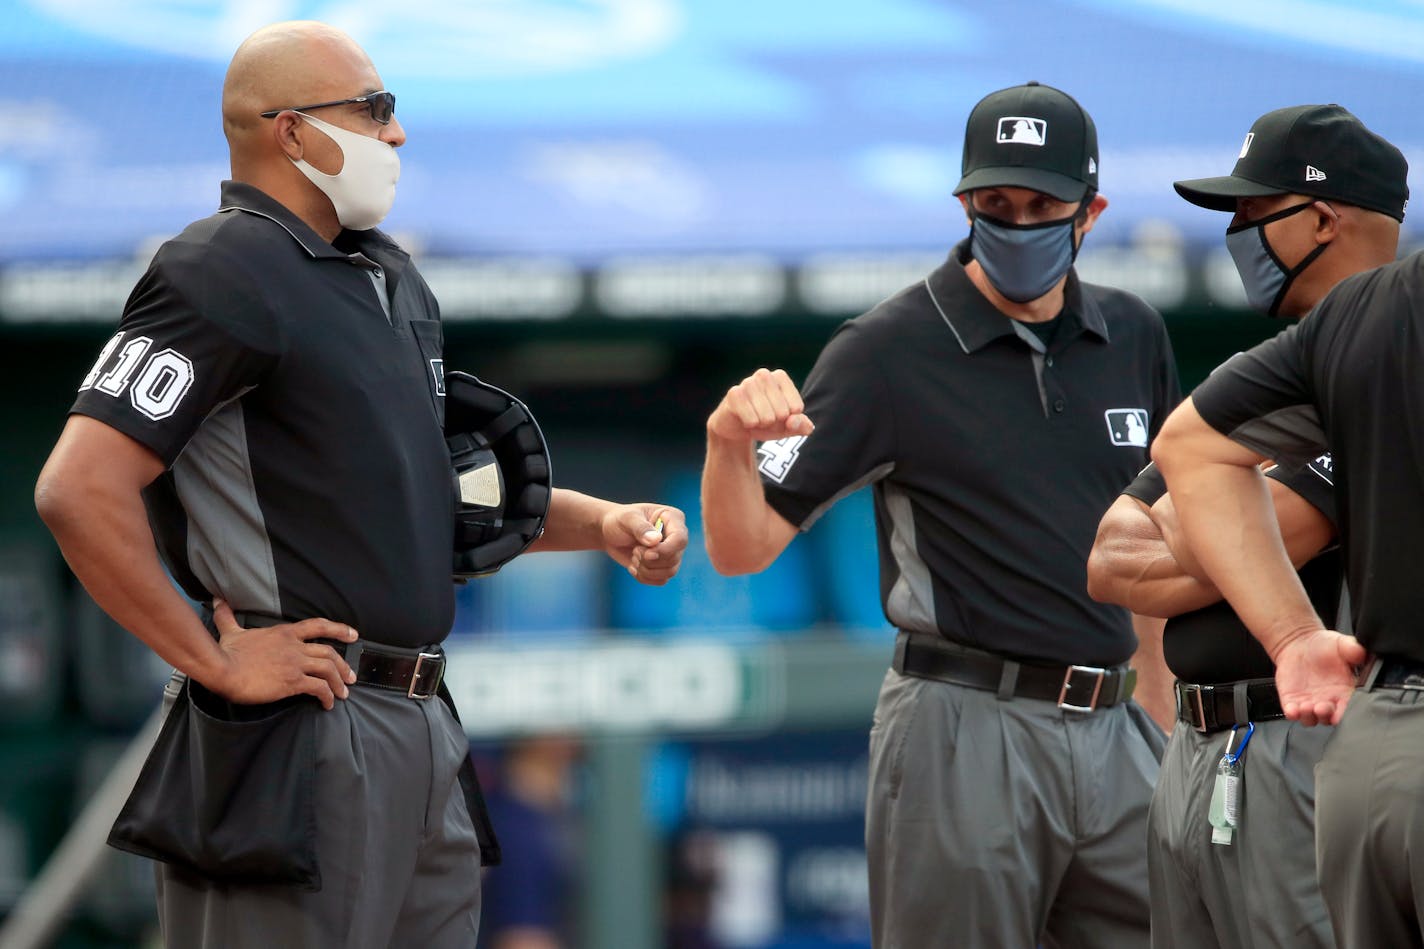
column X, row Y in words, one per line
column 300, row 64
column 284, row 65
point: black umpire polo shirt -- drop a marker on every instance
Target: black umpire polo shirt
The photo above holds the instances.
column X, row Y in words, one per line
column 295, row 391
column 1349, row 374
column 1211, row 645
column 993, row 457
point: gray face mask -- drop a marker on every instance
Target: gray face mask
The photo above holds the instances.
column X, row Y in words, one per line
column 1022, row 261
column 1264, row 276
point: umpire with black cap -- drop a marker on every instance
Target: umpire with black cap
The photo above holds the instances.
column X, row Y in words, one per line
column 1324, row 156
column 996, row 407
column 1353, row 366
column 1316, row 197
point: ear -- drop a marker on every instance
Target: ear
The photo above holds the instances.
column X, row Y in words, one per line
column 1091, row 212
column 1327, row 223
column 284, row 131
column 964, row 203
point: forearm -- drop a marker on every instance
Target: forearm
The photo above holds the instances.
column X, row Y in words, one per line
column 1164, row 517
column 109, row 545
column 1227, row 518
column 575, row 522
column 1233, row 528
column 1132, row 566
column 1154, row 680
column 1152, row 584
column 736, row 519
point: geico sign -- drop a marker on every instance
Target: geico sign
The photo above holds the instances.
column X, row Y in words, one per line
column 682, row 685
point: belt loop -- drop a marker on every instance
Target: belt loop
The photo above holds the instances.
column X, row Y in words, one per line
column 1239, row 706
column 1127, row 683
column 902, row 642
column 1373, row 666
column 1008, row 680
column 351, row 652
column 1117, row 682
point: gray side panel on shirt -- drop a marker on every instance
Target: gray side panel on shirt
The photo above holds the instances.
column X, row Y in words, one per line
column 875, row 474
column 911, row 602
column 229, row 550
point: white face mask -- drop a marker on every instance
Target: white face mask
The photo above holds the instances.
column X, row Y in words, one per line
column 363, row 191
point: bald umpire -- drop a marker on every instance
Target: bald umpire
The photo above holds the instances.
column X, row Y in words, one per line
column 273, row 406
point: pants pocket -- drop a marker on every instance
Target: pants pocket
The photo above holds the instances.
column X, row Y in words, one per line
column 228, row 791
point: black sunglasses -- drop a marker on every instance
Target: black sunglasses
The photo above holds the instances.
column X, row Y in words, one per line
column 382, row 105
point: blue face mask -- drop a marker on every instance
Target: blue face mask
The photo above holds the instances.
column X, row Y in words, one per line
column 1022, row 261
column 1264, row 276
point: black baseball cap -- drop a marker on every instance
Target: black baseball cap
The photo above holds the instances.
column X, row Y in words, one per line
column 1031, row 136
column 1318, row 150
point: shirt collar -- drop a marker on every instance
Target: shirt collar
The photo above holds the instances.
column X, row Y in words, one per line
column 369, row 246
column 975, row 321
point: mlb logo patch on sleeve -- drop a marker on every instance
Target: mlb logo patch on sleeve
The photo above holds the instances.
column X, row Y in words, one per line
column 1127, row 427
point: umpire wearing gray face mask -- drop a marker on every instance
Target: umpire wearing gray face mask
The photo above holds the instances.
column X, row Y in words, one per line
column 1029, row 188
column 1305, row 174
column 1023, row 261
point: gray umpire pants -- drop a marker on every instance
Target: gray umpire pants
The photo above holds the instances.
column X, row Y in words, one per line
column 1260, row 890
column 1006, row 824
column 1370, row 820
column 399, row 862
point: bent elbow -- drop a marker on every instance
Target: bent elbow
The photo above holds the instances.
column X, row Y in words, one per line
column 1100, row 585
column 1166, row 448
column 52, row 499
column 66, row 499
column 732, row 560
column 1109, row 578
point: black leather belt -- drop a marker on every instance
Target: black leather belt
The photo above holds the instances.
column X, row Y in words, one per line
column 416, row 672
column 1076, row 688
column 1222, row 705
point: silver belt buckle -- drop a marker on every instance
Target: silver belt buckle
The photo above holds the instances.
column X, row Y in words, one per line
column 439, row 673
column 1068, row 684
column 1199, row 722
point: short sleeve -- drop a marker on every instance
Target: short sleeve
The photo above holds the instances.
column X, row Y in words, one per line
column 853, row 443
column 1262, row 399
column 1313, row 481
column 196, row 333
column 1148, row 487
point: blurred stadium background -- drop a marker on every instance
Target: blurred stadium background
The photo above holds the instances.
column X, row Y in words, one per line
column 624, row 206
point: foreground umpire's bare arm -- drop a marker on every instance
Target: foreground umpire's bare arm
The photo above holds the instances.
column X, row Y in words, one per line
column 743, row 533
column 1140, row 561
column 88, row 495
column 1226, row 516
column 646, row 539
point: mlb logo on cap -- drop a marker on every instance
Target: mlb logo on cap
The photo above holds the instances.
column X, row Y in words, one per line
column 1022, row 130
column 1006, row 144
